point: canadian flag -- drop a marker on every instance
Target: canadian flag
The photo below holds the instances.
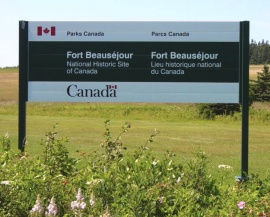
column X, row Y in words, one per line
column 112, row 86
column 41, row 31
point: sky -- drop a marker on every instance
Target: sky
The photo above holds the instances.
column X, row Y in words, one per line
column 12, row 11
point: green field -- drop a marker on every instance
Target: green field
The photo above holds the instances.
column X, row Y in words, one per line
column 181, row 130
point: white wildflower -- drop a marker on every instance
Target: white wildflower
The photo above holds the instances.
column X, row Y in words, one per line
column 79, row 195
column 92, row 200
column 6, row 182
column 51, row 209
column 6, row 135
column 178, row 180
column 95, row 182
column 223, row 166
column 37, row 208
column 154, row 163
column 78, row 204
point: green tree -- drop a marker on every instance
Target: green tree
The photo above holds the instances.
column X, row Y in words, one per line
column 266, row 51
column 259, row 52
column 253, row 52
column 260, row 88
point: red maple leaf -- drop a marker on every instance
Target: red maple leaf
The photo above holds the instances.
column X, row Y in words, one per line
column 46, row 31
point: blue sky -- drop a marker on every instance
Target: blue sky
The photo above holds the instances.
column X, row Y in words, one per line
column 11, row 11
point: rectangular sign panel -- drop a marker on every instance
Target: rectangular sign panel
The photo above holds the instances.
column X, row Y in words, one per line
column 134, row 61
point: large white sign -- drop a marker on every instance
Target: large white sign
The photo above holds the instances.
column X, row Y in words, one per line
column 134, row 61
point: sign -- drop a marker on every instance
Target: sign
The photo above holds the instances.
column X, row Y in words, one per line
column 197, row 62
column 192, row 62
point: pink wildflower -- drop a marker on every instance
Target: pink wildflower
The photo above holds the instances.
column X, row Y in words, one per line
column 160, row 199
column 241, row 204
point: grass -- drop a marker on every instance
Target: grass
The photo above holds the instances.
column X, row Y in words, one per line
column 220, row 139
column 181, row 131
column 9, row 84
column 253, row 70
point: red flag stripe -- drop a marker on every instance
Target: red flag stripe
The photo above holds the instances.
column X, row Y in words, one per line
column 39, row 30
column 53, row 30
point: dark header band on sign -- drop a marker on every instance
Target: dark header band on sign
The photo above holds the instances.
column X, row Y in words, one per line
column 134, row 61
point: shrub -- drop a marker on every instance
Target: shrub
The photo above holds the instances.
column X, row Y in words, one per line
column 209, row 111
column 113, row 184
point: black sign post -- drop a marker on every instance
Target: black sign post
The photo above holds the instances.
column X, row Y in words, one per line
column 23, row 81
column 244, row 66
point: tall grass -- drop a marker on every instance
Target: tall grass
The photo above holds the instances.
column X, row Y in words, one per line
column 258, row 112
column 182, row 131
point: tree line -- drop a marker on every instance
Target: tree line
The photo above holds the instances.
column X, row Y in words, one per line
column 259, row 52
column 259, row 91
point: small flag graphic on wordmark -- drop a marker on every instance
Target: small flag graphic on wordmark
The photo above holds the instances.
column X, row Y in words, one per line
column 112, row 86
